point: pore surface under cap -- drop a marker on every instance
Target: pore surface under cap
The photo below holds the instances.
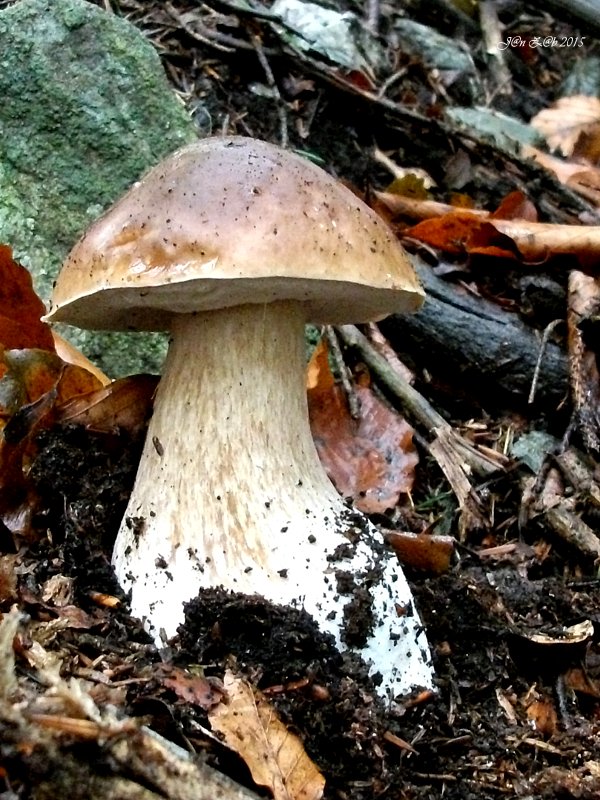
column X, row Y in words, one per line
column 234, row 221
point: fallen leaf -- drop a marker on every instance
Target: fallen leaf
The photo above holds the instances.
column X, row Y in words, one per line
column 516, row 205
column 194, row 690
column 578, row 680
column 275, row 757
column 370, row 460
column 124, row 404
column 32, row 373
column 583, row 179
column 410, row 185
column 570, row 118
column 71, row 355
column 464, row 232
column 506, row 703
column 542, row 715
column 75, row 617
column 58, row 591
column 33, row 383
column 424, row 551
column 20, row 323
column 29, row 374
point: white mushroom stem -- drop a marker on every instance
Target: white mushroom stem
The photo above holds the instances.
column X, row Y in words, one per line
column 230, row 492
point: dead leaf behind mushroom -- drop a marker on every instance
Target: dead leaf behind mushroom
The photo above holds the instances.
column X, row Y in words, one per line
column 370, row 460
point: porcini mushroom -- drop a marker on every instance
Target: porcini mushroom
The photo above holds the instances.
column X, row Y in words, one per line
column 232, row 245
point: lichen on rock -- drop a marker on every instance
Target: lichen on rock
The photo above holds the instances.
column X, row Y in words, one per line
column 86, row 110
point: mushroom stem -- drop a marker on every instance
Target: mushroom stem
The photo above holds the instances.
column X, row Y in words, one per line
column 230, row 492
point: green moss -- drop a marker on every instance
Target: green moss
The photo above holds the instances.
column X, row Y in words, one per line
column 86, row 110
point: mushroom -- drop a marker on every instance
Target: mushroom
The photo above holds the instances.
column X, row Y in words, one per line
column 233, row 244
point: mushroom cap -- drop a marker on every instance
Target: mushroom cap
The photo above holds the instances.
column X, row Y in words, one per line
column 233, row 221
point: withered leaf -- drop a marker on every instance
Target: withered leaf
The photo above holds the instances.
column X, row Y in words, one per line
column 370, row 460
column 20, row 323
column 192, row 689
column 275, row 757
column 123, row 404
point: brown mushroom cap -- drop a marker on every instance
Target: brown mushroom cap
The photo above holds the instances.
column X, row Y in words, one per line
column 233, row 221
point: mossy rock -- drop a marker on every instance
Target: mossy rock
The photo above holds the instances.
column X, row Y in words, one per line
column 86, row 110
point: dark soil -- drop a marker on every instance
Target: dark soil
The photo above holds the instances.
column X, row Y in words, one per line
column 459, row 743
column 512, row 715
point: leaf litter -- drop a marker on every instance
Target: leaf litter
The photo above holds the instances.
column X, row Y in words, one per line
column 510, row 716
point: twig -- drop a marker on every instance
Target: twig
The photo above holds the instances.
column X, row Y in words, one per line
column 456, row 457
column 584, row 11
column 201, row 33
column 372, row 16
column 281, row 112
column 545, row 495
column 569, row 526
column 382, row 345
column 584, row 303
column 416, row 405
column 579, row 475
column 336, row 353
column 490, row 27
column 538, row 364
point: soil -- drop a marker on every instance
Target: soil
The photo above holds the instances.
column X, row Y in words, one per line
column 473, row 738
column 516, row 706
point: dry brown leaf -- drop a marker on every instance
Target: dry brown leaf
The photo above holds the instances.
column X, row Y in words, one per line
column 34, row 382
column 194, row 690
column 462, row 232
column 582, row 179
column 567, row 120
column 579, row 680
column 516, row 205
column 123, row 404
column 542, row 715
column 275, row 757
column 424, row 551
column 372, row 459
column 71, row 355
column 20, row 324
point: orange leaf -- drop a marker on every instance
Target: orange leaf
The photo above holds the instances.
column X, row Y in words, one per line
column 582, row 179
column 33, row 382
column 542, row 715
column 75, row 381
column 450, row 232
column 370, row 460
column 424, row 551
column 20, row 324
column 28, row 374
column 516, row 205
column 125, row 403
column 71, row 355
column 487, row 240
column 318, row 374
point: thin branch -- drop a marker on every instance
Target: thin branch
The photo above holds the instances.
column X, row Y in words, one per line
column 281, row 111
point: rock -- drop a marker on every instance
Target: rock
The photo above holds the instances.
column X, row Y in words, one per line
column 86, row 109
